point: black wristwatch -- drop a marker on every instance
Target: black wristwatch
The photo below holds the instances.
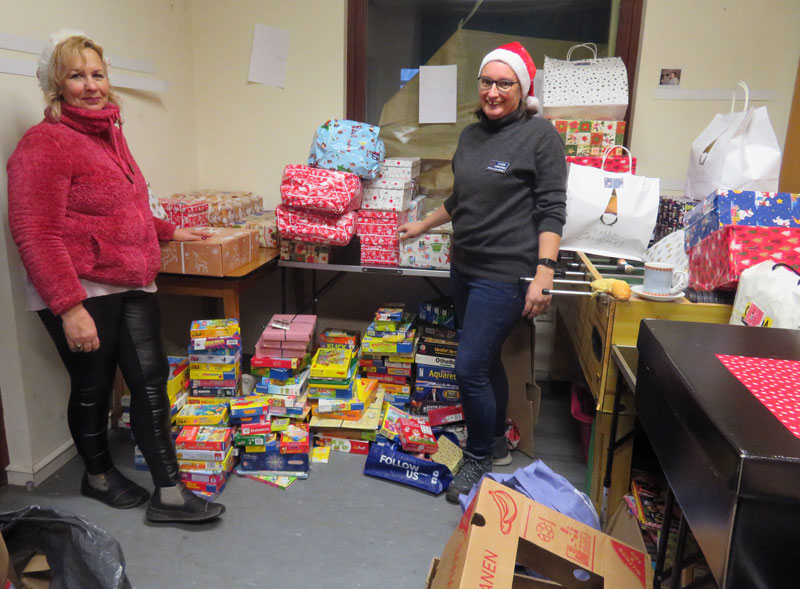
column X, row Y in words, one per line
column 547, row 262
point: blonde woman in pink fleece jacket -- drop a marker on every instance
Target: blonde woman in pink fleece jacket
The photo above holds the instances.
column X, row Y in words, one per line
column 79, row 214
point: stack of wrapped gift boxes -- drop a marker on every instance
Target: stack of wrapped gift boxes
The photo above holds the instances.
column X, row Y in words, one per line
column 210, row 207
column 388, row 202
column 388, row 352
column 732, row 230
column 319, row 200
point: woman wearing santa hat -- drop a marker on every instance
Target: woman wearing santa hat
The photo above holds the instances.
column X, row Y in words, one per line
column 508, row 208
column 79, row 213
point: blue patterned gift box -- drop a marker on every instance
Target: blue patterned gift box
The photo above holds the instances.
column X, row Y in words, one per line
column 740, row 207
column 348, row 146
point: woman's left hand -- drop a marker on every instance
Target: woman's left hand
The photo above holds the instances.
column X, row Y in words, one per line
column 190, row 234
column 537, row 303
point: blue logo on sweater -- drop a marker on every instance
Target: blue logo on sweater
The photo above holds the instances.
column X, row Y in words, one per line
column 496, row 166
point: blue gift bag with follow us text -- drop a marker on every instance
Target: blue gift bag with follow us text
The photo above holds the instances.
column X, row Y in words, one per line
column 386, row 463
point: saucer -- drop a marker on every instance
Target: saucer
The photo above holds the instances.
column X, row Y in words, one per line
column 656, row 297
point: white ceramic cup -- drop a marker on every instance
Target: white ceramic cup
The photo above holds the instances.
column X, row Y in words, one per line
column 662, row 279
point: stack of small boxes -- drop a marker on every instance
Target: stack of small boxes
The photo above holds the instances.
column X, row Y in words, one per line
column 220, row 209
column 387, row 202
column 272, row 432
column 205, row 458
column 215, row 356
column 436, row 393
column 388, row 353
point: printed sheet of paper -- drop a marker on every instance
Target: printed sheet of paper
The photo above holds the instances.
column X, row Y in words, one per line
column 268, row 56
column 437, row 93
column 776, row 383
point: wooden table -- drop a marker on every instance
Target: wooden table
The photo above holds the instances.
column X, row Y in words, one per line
column 592, row 325
column 228, row 287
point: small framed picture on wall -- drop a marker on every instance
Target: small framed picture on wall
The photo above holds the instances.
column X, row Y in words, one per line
column 670, row 77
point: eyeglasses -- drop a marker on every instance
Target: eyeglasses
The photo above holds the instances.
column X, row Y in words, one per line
column 503, row 86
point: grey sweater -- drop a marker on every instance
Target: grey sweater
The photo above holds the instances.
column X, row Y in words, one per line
column 510, row 185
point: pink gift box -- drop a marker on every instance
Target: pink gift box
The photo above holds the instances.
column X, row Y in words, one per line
column 380, row 256
column 380, row 241
column 385, row 229
column 273, row 352
column 301, row 329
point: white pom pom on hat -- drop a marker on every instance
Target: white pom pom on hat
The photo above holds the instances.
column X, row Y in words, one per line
column 520, row 61
column 46, row 57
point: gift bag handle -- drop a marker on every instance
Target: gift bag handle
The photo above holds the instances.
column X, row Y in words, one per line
column 590, row 46
column 746, row 95
column 782, row 264
column 610, row 149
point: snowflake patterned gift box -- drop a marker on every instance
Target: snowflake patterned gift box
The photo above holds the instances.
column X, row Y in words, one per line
column 313, row 227
column 387, row 195
column 741, row 207
column 587, row 137
column 318, row 189
column 225, row 250
column 399, row 169
column 718, row 260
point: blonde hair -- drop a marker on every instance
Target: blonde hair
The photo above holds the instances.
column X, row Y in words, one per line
column 53, row 76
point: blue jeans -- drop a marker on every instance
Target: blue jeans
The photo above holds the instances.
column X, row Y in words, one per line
column 487, row 311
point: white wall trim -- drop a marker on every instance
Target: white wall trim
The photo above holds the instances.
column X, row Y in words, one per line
column 44, row 468
column 675, row 93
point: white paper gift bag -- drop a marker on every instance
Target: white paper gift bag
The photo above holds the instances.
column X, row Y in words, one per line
column 608, row 213
column 768, row 295
column 595, row 88
column 736, row 151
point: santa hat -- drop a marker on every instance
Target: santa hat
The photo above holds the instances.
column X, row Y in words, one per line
column 518, row 59
column 46, row 57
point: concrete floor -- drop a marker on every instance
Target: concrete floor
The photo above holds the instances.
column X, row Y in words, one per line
column 337, row 529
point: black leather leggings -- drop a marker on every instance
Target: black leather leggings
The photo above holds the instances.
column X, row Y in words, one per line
column 129, row 328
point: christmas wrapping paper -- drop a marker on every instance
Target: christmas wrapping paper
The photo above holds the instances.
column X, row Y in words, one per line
column 224, row 251
column 774, row 382
column 314, row 227
column 300, row 251
column 586, row 137
column 317, row 189
column 671, row 214
column 718, row 260
column 348, row 146
column 266, row 225
column 741, row 207
column 620, row 164
column 399, row 169
column 223, row 207
column 387, row 195
column 380, row 256
column 431, row 250
column 185, row 213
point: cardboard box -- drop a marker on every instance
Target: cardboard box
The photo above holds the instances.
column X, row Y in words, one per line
column 502, row 528
column 223, row 252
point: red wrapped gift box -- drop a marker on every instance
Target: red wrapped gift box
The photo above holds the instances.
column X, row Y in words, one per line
column 718, row 260
column 326, row 191
column 312, row 227
column 619, row 163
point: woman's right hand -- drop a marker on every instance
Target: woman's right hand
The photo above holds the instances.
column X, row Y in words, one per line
column 410, row 230
column 79, row 329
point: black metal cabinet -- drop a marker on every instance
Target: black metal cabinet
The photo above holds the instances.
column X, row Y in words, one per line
column 733, row 467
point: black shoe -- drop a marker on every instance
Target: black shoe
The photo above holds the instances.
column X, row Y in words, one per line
column 193, row 509
column 122, row 492
column 471, row 471
column 500, row 455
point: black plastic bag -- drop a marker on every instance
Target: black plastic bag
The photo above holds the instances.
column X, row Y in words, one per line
column 80, row 554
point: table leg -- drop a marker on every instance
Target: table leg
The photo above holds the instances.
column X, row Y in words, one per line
column 663, row 539
column 230, row 302
column 677, row 566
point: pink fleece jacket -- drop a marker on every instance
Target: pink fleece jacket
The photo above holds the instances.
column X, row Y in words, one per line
column 78, row 207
